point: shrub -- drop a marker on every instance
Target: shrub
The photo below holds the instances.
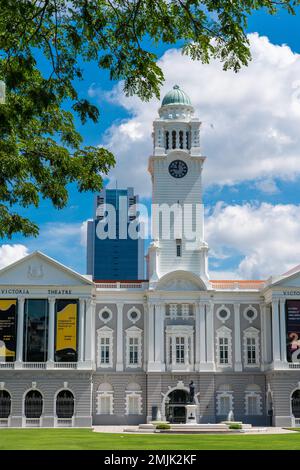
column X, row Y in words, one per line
column 163, row 426
column 235, row 426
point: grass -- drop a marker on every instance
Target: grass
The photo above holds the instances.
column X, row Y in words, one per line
column 85, row 439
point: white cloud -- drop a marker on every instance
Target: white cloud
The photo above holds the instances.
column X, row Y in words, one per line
column 267, row 186
column 11, row 253
column 265, row 236
column 250, row 127
column 63, row 242
column 83, row 232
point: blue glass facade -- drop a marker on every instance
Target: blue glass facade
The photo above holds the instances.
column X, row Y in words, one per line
column 119, row 258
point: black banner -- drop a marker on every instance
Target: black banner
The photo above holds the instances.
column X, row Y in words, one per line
column 8, row 333
column 293, row 330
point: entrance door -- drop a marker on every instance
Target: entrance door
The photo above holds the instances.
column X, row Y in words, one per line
column 175, row 408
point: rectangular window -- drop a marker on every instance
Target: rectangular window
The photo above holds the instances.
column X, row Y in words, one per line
column 223, row 348
column 251, row 351
column 133, row 404
column 133, row 350
column 104, row 404
column 105, row 351
column 173, row 310
column 178, row 249
column 180, row 350
column 35, row 330
column 252, row 405
column 224, row 405
column 185, row 309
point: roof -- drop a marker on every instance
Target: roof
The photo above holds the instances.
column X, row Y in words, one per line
column 292, row 271
column 237, row 284
column 176, row 96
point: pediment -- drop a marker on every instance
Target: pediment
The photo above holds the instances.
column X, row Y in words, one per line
column 181, row 281
column 292, row 280
column 38, row 269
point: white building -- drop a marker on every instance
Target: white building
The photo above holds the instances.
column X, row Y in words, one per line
column 117, row 352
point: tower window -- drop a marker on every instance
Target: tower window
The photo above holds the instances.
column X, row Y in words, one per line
column 181, row 139
column 187, row 140
column 167, row 140
column 178, row 247
column 173, row 139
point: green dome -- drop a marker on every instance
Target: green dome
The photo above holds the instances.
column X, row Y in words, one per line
column 176, row 96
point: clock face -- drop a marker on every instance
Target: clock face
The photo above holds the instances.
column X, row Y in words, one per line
column 178, row 169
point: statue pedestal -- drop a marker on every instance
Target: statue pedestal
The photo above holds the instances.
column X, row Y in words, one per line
column 191, row 414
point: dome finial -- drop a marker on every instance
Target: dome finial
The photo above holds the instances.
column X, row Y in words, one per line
column 176, row 87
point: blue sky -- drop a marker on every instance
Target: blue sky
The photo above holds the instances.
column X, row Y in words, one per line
column 259, row 197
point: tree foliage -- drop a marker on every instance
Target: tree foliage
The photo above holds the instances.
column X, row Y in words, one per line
column 40, row 150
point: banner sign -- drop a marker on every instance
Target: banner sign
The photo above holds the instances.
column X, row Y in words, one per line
column 66, row 331
column 8, row 333
column 293, row 330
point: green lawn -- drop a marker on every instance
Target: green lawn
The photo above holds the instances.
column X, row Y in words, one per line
column 84, row 439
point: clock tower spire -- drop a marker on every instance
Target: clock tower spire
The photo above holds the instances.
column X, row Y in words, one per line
column 177, row 209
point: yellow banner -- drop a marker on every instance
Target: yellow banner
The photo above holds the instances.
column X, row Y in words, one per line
column 66, row 328
column 6, row 304
column 7, row 329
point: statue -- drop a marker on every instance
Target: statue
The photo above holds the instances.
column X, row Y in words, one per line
column 192, row 392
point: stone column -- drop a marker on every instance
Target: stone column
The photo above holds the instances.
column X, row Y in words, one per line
column 20, row 332
column 186, row 351
column 202, row 338
column 81, row 330
column 159, row 337
column 210, row 340
column 150, row 336
column 283, row 331
column 145, row 336
column 173, row 339
column 89, row 332
column 120, row 355
column 237, row 338
column 275, row 334
column 197, row 336
column 51, row 332
column 263, row 322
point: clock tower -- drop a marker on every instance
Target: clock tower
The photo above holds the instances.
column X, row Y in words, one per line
column 177, row 210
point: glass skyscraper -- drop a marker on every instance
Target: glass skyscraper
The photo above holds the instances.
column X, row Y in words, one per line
column 119, row 257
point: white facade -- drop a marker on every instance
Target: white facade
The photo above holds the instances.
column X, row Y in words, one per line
column 139, row 344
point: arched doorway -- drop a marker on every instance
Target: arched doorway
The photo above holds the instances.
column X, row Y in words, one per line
column 295, row 403
column 65, row 404
column 33, row 404
column 175, row 406
column 5, row 404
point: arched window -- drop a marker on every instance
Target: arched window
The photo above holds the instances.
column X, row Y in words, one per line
column 5, row 404
column 167, row 140
column 181, row 139
column 65, row 404
column 173, row 139
column 296, row 404
column 33, row 404
column 187, row 135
